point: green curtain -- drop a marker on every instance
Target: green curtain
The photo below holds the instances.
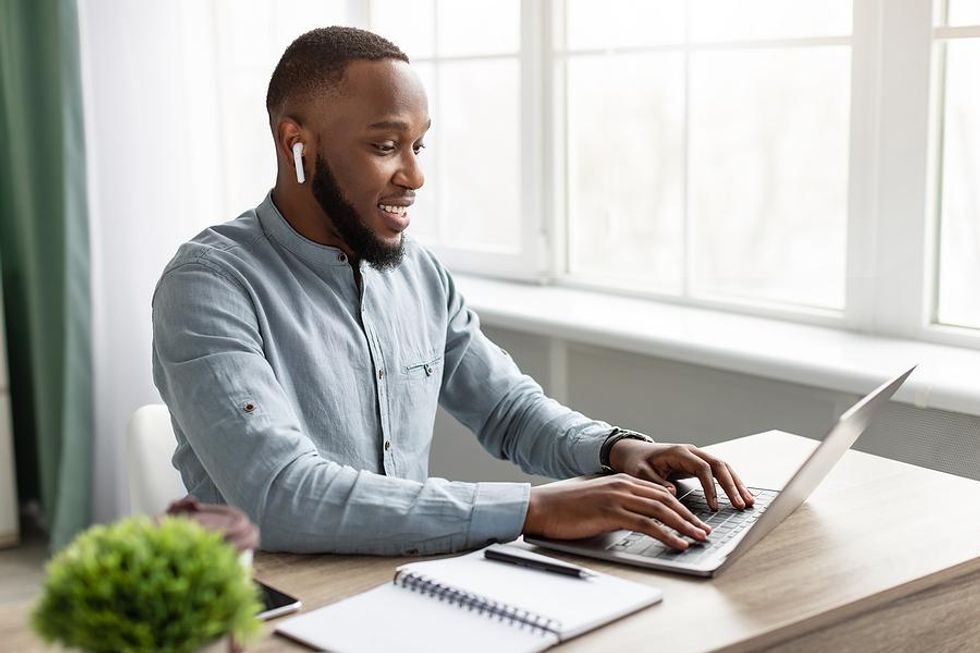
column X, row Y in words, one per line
column 44, row 258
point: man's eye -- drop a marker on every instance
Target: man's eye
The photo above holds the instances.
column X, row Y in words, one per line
column 386, row 148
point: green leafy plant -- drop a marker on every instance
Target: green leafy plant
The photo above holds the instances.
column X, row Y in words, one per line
column 140, row 585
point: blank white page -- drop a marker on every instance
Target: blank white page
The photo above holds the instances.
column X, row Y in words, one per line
column 394, row 618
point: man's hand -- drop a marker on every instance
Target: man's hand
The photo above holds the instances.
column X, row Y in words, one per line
column 584, row 508
column 657, row 462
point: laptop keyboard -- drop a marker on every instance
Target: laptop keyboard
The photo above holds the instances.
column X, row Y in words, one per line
column 726, row 523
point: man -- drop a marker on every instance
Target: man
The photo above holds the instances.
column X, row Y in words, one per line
column 303, row 349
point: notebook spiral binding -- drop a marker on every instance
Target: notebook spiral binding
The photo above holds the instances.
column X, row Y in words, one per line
column 474, row 602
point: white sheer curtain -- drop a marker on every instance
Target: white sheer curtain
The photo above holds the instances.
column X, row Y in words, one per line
column 177, row 140
column 155, row 180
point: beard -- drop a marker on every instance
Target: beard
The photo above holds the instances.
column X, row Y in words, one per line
column 349, row 225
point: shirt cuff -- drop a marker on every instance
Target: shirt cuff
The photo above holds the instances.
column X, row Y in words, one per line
column 499, row 511
column 586, row 449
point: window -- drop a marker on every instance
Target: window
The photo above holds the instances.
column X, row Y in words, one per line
column 468, row 53
column 707, row 146
column 811, row 160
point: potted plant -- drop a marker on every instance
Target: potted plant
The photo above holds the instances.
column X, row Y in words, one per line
column 147, row 585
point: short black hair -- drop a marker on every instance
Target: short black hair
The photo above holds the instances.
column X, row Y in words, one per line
column 315, row 62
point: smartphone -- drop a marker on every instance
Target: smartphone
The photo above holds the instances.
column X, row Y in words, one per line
column 276, row 603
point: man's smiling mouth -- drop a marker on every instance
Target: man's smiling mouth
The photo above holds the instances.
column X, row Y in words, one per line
column 394, row 210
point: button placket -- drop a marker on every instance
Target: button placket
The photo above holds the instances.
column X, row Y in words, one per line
column 383, row 399
column 383, row 412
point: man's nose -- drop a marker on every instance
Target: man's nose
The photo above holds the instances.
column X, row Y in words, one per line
column 410, row 173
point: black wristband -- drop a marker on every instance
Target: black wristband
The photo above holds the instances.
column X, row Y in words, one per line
column 615, row 436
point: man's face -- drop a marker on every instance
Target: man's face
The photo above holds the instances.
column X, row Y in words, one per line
column 366, row 170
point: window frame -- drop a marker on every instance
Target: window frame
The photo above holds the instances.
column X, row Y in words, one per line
column 933, row 330
column 899, row 197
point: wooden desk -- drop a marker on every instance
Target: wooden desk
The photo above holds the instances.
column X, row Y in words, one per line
column 884, row 556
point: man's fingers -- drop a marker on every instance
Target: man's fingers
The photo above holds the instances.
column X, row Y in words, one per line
column 724, row 476
column 647, row 473
column 707, row 468
column 667, row 516
column 737, row 493
column 648, row 526
column 652, row 492
column 748, row 496
column 703, row 471
column 688, row 459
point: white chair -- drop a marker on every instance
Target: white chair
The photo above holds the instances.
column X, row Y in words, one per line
column 153, row 481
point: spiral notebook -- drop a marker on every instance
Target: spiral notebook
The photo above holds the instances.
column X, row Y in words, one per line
column 469, row 603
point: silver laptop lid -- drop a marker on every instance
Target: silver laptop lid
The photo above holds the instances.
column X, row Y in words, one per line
column 848, row 428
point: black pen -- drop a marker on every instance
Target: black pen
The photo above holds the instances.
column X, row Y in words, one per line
column 498, row 554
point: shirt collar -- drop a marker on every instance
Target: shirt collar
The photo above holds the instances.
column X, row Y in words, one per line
column 278, row 229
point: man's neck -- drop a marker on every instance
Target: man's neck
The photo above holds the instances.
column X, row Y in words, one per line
column 310, row 223
column 306, row 218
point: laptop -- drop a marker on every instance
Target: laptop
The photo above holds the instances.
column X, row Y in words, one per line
column 733, row 530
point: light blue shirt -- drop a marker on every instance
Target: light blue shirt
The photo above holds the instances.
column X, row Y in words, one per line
column 310, row 404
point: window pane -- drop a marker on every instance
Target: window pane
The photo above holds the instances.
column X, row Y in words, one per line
column 625, row 168
column 623, row 23
column 727, row 20
column 768, row 165
column 409, row 25
column 964, row 12
column 479, row 178
column 959, row 260
column 471, row 27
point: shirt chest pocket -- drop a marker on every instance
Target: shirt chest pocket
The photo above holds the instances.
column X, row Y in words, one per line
column 426, row 369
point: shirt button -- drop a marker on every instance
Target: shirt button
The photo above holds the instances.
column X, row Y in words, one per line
column 342, row 257
column 387, row 445
column 381, row 374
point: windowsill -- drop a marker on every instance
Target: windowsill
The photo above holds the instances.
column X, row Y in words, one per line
column 948, row 378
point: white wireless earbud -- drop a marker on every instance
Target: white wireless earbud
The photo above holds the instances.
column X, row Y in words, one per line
column 298, row 160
